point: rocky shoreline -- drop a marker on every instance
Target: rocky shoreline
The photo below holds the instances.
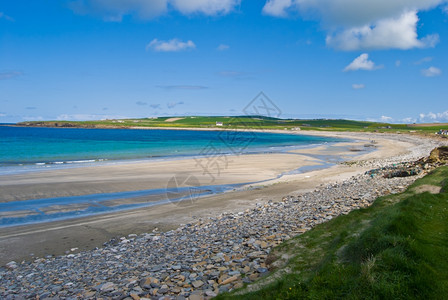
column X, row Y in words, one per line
column 202, row 259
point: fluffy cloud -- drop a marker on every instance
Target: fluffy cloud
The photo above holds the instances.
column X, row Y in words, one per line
column 441, row 117
column 115, row 10
column 386, row 119
column 278, row 8
column 433, row 117
column 362, row 62
column 369, row 24
column 358, row 86
column 398, row 33
column 173, row 45
column 431, row 72
column 409, row 120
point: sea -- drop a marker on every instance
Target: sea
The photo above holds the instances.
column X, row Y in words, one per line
column 25, row 149
column 33, row 149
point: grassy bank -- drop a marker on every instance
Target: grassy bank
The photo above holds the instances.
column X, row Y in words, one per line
column 246, row 122
column 395, row 249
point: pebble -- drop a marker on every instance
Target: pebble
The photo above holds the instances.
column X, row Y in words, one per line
column 201, row 259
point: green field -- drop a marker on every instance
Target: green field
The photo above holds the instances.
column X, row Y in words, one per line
column 395, row 249
column 247, row 122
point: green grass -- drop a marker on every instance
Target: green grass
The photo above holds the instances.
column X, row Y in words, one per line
column 395, row 249
column 247, row 122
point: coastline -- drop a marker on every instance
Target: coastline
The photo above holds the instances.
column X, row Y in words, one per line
column 89, row 232
column 218, row 142
column 224, row 236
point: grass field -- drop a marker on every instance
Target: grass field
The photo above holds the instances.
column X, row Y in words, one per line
column 395, row 249
column 248, row 122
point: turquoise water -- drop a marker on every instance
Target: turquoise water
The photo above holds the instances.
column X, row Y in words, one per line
column 28, row 148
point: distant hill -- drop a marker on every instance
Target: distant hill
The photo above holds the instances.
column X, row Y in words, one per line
column 244, row 122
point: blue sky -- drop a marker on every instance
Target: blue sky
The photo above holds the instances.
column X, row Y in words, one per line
column 95, row 59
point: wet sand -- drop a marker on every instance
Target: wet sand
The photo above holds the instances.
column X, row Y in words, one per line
column 55, row 238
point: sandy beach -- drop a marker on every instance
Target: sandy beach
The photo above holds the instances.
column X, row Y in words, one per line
column 56, row 238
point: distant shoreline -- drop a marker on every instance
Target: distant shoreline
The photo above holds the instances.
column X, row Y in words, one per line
column 247, row 123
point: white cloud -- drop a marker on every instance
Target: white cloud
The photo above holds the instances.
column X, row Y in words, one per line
column 358, row 86
column 430, row 117
column 6, row 17
column 409, row 120
column 223, row 47
column 362, row 62
column 386, row 119
column 115, row 10
column 277, row 8
column 433, row 117
column 173, row 45
column 397, row 33
column 368, row 24
column 431, row 72
column 2, row 115
column 207, row 7
column 9, row 75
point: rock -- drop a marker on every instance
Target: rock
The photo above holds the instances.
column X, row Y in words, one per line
column 12, row 265
column 197, row 284
column 107, row 287
column 209, row 293
column 230, row 280
column 253, row 276
column 135, row 296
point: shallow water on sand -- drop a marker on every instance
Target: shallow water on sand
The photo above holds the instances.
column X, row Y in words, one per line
column 29, row 148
